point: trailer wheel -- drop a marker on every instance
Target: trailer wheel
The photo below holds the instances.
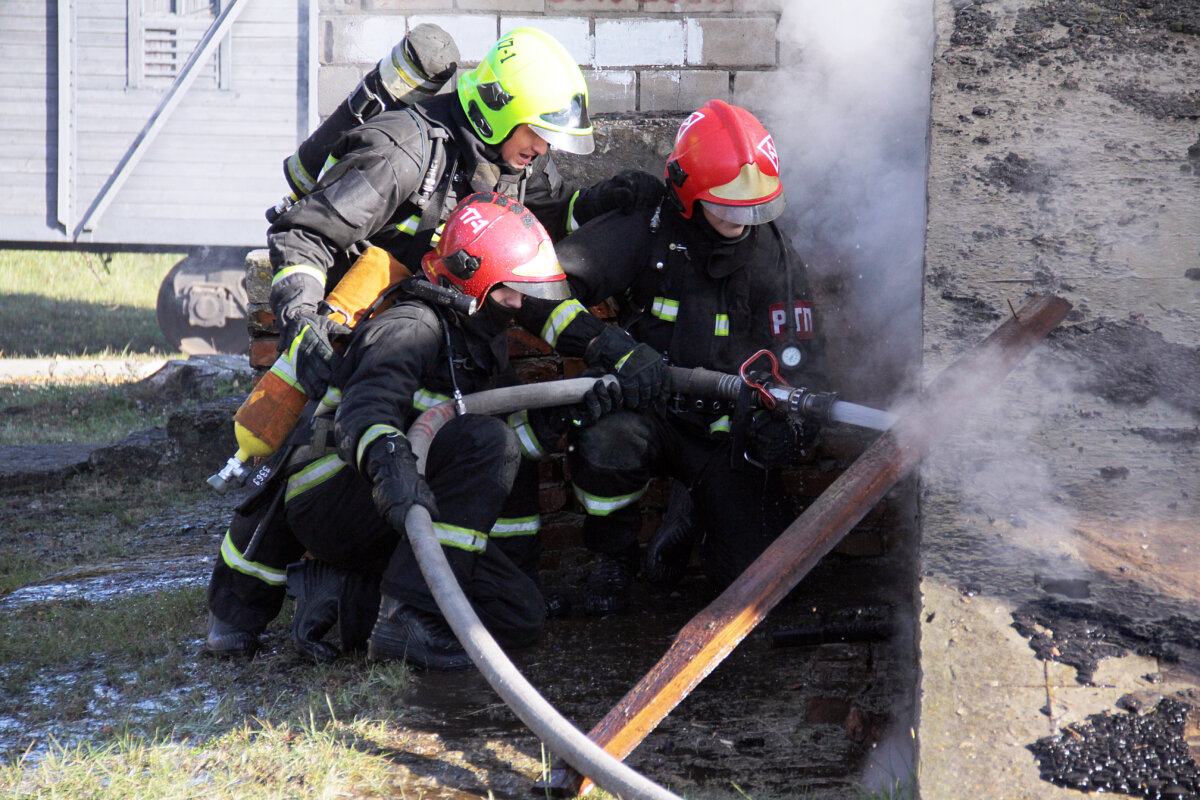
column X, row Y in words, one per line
column 202, row 302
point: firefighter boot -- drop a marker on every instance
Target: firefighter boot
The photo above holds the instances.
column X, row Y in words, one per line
column 421, row 638
column 223, row 639
column 670, row 548
column 607, row 587
column 316, row 587
column 357, row 607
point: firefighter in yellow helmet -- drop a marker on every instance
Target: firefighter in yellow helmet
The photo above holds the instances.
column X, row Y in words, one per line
column 393, row 181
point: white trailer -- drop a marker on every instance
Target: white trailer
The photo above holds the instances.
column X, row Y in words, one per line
column 155, row 124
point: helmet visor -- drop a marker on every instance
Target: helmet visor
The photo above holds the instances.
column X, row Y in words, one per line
column 541, row 276
column 567, row 129
column 748, row 215
column 544, row 290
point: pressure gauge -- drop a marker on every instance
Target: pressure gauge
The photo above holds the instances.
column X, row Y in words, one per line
column 791, row 356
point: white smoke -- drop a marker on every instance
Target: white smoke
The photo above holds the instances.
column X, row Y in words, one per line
column 849, row 112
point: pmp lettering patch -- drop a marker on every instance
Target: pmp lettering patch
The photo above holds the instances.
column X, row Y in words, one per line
column 798, row 323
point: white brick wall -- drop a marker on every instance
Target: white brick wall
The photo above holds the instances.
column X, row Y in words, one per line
column 633, row 42
column 638, row 55
column 574, row 33
column 364, row 40
column 473, row 33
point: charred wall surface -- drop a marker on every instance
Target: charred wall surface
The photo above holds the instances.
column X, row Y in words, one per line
column 1063, row 159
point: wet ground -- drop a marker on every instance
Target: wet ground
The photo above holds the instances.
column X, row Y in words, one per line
column 818, row 699
column 801, row 706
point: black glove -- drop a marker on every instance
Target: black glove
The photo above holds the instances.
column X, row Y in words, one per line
column 774, row 442
column 639, row 367
column 597, row 402
column 310, row 340
column 626, row 191
column 550, row 425
column 396, row 484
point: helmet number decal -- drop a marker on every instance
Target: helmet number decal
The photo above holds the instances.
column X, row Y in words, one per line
column 472, row 217
column 692, row 119
column 800, row 323
column 767, row 148
column 504, row 47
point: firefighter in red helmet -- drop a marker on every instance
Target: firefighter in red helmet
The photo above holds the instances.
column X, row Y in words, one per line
column 354, row 477
column 707, row 279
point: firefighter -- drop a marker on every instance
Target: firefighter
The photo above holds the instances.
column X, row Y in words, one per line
column 353, row 480
column 393, row 181
column 707, row 279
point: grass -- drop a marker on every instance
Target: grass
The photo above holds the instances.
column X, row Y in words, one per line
column 139, row 716
column 46, row 412
column 80, row 304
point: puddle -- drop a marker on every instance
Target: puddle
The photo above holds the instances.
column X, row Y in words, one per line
column 112, row 581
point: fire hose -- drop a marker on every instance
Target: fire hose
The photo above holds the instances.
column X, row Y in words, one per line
column 561, row 737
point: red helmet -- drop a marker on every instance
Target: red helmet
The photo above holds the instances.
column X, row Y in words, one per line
column 491, row 239
column 725, row 158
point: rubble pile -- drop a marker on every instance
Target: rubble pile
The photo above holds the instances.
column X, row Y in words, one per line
column 1138, row 755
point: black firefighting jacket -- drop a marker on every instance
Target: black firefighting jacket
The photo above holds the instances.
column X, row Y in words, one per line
column 378, row 177
column 397, row 365
column 699, row 299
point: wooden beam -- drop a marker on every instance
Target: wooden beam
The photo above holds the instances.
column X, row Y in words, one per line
column 713, row 633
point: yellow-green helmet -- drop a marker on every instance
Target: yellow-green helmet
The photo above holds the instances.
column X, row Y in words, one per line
column 528, row 77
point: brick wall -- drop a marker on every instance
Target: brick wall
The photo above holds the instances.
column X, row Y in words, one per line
column 637, row 55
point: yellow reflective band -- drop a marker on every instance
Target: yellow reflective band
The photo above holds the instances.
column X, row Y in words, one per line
column 299, row 174
column 284, row 368
column 330, row 400
column 572, row 224
column 722, row 326
column 236, row 561
column 369, row 435
column 313, row 475
column 462, row 538
column 531, row 448
column 328, row 165
column 409, row 225
column 300, row 269
column 665, row 309
column 562, row 316
column 721, row 425
column 424, row 399
column 409, row 228
column 603, row 506
column 506, row 527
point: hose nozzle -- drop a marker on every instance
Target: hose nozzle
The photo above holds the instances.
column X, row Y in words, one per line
column 811, row 405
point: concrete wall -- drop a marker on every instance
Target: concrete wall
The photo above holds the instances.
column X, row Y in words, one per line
column 637, row 55
column 1064, row 160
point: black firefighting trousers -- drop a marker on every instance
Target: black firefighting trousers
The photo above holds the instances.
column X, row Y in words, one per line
column 329, row 513
column 739, row 511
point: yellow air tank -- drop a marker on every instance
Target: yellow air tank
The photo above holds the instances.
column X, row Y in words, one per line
column 262, row 422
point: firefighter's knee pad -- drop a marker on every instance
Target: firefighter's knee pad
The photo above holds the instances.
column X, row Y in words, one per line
column 619, row 441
